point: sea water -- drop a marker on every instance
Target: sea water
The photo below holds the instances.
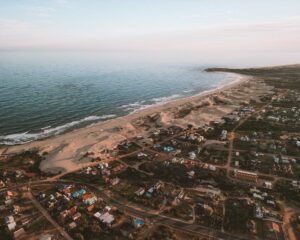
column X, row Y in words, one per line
column 48, row 93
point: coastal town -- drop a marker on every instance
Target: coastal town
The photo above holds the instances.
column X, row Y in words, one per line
column 235, row 177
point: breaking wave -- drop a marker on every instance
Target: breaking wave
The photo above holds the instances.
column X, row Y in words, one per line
column 21, row 138
column 141, row 105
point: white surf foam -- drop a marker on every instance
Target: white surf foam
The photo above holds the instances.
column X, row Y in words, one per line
column 21, row 138
column 166, row 99
column 141, row 105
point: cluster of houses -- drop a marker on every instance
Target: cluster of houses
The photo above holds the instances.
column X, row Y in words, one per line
column 81, row 196
column 295, row 184
column 14, row 225
column 14, row 175
column 195, row 138
column 105, row 216
column 106, row 170
column 285, row 115
column 149, row 191
column 276, row 156
column 283, row 165
column 67, row 194
column 157, row 134
column 263, row 196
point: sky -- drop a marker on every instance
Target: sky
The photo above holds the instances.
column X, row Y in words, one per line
column 216, row 29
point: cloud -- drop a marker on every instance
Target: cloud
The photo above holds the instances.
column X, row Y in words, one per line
column 42, row 11
column 260, row 36
column 13, row 27
column 61, row 2
column 238, row 39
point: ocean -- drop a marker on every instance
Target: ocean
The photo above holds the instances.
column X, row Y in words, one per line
column 45, row 94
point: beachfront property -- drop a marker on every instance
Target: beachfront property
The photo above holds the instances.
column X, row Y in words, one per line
column 244, row 175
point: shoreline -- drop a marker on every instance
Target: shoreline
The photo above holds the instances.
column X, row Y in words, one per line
column 238, row 79
column 66, row 151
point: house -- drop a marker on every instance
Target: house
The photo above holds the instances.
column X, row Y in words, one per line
column 78, row 193
column 268, row 185
column 9, row 219
column 19, row 234
column 142, row 155
column 169, row 149
column 140, row 191
column 245, row 175
column 107, row 218
column 90, row 208
column 192, row 155
column 285, row 160
column 2, row 184
column 88, row 170
column 11, row 226
column 157, row 145
column 58, row 195
column 76, row 216
column 67, row 191
column 52, row 198
column 91, row 201
column 201, row 139
column 257, row 196
column 107, row 208
column 208, row 209
column 72, row 225
column 9, row 194
column 72, row 210
column 191, row 174
column 115, row 181
column 138, row 223
column 45, row 237
column 276, row 159
column 158, row 185
column 275, row 227
column 212, row 168
column 181, row 194
column 224, row 135
column 273, row 118
column 258, row 212
column 149, row 192
column 86, row 196
column 97, row 215
column 271, row 202
column 17, row 209
column 231, row 118
column 64, row 214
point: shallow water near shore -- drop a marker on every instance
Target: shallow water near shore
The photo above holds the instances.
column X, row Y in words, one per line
column 42, row 95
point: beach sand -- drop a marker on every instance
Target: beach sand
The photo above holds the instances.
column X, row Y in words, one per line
column 65, row 152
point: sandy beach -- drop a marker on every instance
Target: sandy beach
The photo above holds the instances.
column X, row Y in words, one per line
column 65, row 152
